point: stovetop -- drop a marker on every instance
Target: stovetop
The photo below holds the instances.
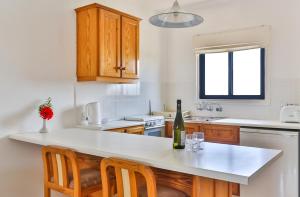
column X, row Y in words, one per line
column 150, row 121
column 144, row 118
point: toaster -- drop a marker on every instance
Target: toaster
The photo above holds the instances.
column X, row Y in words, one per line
column 290, row 113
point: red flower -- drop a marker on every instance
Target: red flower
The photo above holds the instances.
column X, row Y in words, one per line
column 46, row 113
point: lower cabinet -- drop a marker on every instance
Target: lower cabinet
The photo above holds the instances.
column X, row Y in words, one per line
column 169, row 129
column 192, row 127
column 224, row 134
column 139, row 130
column 135, row 130
column 189, row 128
column 118, row 130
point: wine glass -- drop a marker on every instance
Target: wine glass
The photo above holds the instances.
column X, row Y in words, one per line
column 188, row 142
column 198, row 138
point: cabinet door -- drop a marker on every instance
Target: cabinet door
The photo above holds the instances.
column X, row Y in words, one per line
column 169, row 129
column 110, row 46
column 87, row 46
column 222, row 134
column 130, row 48
column 227, row 135
column 190, row 128
column 118, row 130
column 139, row 130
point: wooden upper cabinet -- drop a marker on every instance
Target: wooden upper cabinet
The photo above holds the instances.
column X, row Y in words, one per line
column 110, row 46
column 107, row 45
column 130, row 48
column 87, row 46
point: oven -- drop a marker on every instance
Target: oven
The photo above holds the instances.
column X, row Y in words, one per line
column 155, row 131
column 154, row 125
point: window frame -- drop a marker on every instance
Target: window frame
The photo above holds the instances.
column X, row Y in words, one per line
column 230, row 79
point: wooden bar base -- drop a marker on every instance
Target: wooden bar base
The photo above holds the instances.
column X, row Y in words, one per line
column 206, row 187
column 194, row 186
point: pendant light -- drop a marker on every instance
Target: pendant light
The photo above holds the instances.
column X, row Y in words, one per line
column 176, row 18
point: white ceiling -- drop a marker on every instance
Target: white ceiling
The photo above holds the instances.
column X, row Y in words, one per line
column 166, row 4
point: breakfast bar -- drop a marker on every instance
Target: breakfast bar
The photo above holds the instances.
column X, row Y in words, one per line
column 206, row 173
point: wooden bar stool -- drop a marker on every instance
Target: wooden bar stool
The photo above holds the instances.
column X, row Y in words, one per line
column 62, row 174
column 137, row 188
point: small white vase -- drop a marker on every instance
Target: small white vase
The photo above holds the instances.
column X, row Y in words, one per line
column 44, row 129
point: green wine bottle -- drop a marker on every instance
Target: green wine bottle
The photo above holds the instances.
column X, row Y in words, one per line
column 178, row 128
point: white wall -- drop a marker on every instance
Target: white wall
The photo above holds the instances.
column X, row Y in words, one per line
column 283, row 62
column 37, row 60
column 121, row 100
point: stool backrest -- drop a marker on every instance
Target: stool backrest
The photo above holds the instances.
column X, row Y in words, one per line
column 60, row 164
column 132, row 168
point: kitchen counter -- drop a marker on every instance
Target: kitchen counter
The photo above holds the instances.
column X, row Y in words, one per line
column 270, row 124
column 113, row 125
column 238, row 164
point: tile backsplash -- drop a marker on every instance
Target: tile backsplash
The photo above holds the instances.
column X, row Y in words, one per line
column 117, row 100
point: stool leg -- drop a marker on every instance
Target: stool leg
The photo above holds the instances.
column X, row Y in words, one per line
column 47, row 192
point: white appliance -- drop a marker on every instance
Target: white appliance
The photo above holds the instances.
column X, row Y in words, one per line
column 280, row 178
column 93, row 113
column 290, row 113
column 154, row 125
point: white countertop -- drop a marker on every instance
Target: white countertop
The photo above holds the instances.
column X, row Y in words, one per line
column 271, row 124
column 218, row 161
column 112, row 125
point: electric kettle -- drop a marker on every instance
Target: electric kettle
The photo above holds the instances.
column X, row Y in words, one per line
column 93, row 113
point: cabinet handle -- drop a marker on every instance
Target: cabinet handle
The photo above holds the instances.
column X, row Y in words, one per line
column 119, row 68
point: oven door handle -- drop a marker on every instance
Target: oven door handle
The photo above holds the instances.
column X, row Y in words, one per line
column 155, row 127
column 157, row 131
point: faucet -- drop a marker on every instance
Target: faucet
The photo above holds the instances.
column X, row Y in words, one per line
column 209, row 106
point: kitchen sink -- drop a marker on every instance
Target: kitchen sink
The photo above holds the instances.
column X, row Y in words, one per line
column 203, row 118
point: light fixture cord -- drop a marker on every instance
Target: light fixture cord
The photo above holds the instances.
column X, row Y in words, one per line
column 175, row 7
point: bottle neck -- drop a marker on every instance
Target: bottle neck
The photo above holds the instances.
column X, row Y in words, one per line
column 178, row 107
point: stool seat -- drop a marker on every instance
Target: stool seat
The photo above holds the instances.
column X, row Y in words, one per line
column 88, row 178
column 142, row 182
column 162, row 191
column 63, row 174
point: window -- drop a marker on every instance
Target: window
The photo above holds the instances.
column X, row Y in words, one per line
column 233, row 75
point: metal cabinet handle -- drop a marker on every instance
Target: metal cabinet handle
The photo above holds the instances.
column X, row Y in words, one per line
column 119, row 68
